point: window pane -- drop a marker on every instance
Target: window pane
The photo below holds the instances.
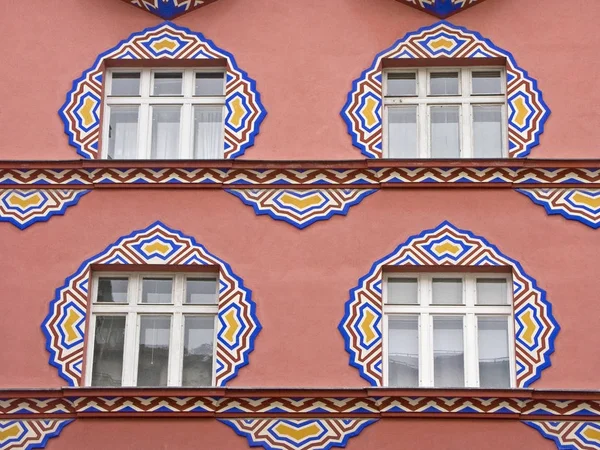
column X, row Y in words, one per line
column 198, row 351
column 167, row 83
column 494, row 364
column 487, row 131
column 157, row 290
column 403, row 351
column 112, row 290
column 445, row 132
column 201, row 291
column 491, row 291
column 153, row 359
column 109, row 341
column 402, row 291
column 125, row 84
column 448, row 352
column 447, row 291
column 209, row 84
column 165, row 132
column 208, row 132
column 487, row 82
column 443, row 83
column 401, row 84
column 402, row 132
column 123, row 132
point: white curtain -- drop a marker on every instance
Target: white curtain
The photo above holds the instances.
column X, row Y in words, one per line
column 208, row 132
column 165, row 132
column 122, row 142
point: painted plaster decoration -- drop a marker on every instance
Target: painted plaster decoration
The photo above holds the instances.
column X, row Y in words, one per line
column 527, row 111
column 446, row 245
column 29, row 434
column 441, row 8
column 158, row 244
column 169, row 9
column 24, row 207
column 167, row 41
column 582, row 205
column 301, row 207
column 298, row 434
column 71, row 174
column 570, row 435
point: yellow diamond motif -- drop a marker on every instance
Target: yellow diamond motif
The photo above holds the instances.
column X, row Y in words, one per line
column 591, row 433
column 87, row 112
column 10, row 432
column 297, row 434
column 446, row 247
column 581, row 198
column 232, row 326
column 369, row 112
column 24, row 202
column 301, row 203
column 164, row 44
column 156, row 247
column 442, row 42
column 237, row 112
column 522, row 111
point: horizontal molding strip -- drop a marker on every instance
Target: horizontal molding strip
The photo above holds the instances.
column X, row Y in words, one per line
column 323, row 174
column 513, row 404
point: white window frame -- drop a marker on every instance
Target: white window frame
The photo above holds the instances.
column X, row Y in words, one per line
column 425, row 311
column 465, row 101
column 146, row 100
column 134, row 309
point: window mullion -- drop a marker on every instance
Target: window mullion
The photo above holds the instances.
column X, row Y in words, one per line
column 176, row 351
column 466, row 126
column 91, row 338
column 185, row 150
column 471, row 353
column 130, row 356
column 215, row 345
column 426, row 369
column 422, row 115
column 385, row 349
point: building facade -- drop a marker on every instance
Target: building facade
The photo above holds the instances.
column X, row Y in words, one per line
column 362, row 224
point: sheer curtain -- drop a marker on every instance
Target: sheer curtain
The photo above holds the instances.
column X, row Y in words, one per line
column 122, row 138
column 165, row 132
column 208, row 132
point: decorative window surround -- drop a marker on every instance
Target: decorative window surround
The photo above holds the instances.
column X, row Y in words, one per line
column 570, row 435
column 582, row 205
column 301, row 207
column 29, row 434
column 167, row 41
column 446, row 245
column 237, row 322
column 24, row 207
column 441, row 8
column 169, row 9
column 298, row 434
column 527, row 111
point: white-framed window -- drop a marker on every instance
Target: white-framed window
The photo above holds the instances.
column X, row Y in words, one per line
column 152, row 329
column 164, row 114
column 445, row 113
column 448, row 330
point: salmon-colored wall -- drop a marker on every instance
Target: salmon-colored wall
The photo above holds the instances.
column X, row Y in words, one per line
column 303, row 55
column 387, row 434
column 301, row 279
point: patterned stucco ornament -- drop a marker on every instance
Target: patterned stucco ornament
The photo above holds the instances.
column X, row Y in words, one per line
column 570, row 435
column 527, row 111
column 298, row 434
column 301, row 207
column 446, row 245
column 167, row 41
column 29, row 434
column 582, row 205
column 238, row 325
column 24, row 207
column 441, row 8
column 168, row 9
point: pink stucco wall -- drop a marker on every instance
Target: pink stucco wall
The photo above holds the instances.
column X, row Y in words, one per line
column 301, row 279
column 387, row 434
column 303, row 55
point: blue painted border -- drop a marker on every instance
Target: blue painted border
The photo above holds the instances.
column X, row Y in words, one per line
column 557, row 211
column 210, row 43
column 230, row 423
column 551, row 437
column 346, row 117
column 119, row 242
column 279, row 216
column 373, row 270
column 60, row 212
